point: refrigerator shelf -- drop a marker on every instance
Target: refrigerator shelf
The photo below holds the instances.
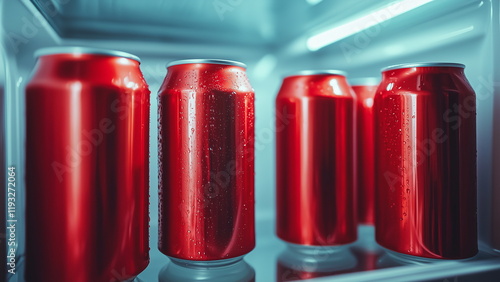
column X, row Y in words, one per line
column 363, row 260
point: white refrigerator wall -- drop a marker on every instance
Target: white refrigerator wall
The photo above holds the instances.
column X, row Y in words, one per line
column 273, row 38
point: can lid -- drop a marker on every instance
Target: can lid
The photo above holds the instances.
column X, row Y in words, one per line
column 317, row 72
column 417, row 65
column 368, row 81
column 83, row 50
column 207, row 61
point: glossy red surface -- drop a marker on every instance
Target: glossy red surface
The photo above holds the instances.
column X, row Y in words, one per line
column 315, row 161
column 426, row 163
column 206, row 154
column 87, row 125
column 365, row 152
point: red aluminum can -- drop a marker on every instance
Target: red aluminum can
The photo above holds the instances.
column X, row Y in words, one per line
column 315, row 160
column 206, row 161
column 87, row 130
column 426, row 161
column 365, row 89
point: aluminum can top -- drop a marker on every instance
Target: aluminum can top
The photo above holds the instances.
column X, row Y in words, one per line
column 84, row 50
column 420, row 65
column 317, row 72
column 207, row 61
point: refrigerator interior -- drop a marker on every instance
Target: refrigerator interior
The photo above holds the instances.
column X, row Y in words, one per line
column 273, row 38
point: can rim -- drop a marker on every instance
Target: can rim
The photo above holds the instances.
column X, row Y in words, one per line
column 317, row 72
column 416, row 65
column 83, row 50
column 207, row 61
column 364, row 81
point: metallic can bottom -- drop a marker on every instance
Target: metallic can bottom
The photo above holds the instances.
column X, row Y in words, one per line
column 205, row 263
column 233, row 269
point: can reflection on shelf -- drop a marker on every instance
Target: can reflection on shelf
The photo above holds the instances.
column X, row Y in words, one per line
column 306, row 262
